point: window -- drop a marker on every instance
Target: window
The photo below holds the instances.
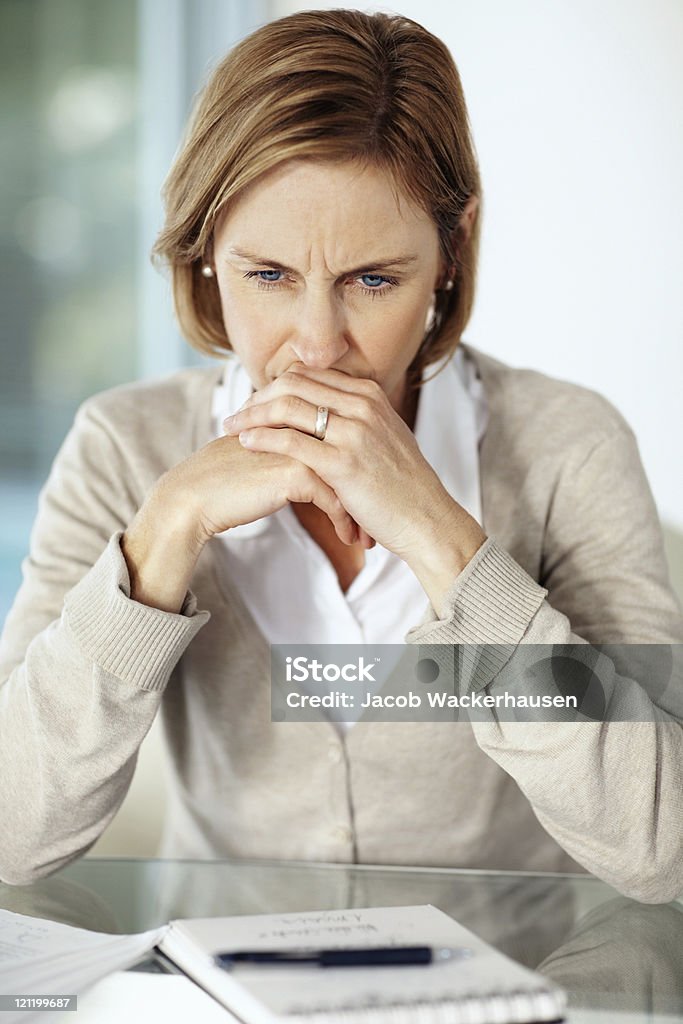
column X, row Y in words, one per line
column 95, row 97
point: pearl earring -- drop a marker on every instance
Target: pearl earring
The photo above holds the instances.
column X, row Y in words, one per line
column 207, row 271
column 430, row 319
column 448, row 285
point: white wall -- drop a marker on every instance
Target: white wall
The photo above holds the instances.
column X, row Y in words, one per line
column 575, row 108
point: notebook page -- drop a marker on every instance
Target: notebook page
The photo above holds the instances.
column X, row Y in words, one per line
column 38, row 956
column 487, row 985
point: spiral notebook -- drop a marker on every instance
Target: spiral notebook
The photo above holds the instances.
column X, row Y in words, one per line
column 39, row 957
column 485, row 988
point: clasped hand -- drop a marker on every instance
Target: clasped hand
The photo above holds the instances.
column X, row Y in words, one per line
column 369, row 456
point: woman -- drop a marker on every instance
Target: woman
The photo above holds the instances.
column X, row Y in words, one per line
column 320, row 485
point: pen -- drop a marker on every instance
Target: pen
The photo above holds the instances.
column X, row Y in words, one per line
column 378, row 956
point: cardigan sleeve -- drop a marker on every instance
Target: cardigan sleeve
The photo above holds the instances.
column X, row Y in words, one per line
column 609, row 790
column 82, row 666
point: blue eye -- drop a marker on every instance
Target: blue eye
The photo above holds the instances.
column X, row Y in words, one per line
column 264, row 278
column 373, row 285
column 379, row 287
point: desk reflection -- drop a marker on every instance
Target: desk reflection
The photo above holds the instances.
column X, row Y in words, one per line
column 623, row 956
column 620, row 955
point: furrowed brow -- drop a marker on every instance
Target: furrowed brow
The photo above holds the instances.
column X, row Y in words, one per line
column 387, row 263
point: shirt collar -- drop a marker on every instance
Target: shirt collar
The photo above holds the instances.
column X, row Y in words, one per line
column 229, row 395
column 451, row 421
column 233, row 389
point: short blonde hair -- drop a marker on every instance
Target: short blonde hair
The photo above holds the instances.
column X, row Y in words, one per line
column 337, row 86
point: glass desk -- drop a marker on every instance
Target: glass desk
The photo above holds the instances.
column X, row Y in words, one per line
column 611, row 954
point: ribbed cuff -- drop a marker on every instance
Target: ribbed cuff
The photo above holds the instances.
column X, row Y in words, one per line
column 487, row 610
column 136, row 643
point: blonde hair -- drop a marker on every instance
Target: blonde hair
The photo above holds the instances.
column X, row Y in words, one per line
column 336, row 86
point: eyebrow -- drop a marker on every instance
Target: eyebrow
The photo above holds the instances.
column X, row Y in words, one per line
column 383, row 264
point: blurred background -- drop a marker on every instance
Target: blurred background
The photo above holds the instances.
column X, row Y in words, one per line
column 576, row 114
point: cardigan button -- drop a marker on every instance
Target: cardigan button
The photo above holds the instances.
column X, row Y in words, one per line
column 334, row 754
column 342, row 832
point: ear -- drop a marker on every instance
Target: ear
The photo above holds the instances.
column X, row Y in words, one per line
column 469, row 215
column 466, row 223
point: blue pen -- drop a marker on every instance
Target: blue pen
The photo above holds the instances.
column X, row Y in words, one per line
column 378, row 956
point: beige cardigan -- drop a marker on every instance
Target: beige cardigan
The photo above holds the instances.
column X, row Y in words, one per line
column 574, row 551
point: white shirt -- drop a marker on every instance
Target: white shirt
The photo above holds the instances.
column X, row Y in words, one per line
column 385, row 599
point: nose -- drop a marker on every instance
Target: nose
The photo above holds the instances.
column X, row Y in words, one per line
column 318, row 336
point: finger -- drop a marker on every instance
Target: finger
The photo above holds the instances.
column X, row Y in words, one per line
column 341, row 394
column 366, row 540
column 316, row 457
column 337, row 379
column 307, row 487
column 283, row 411
column 320, row 456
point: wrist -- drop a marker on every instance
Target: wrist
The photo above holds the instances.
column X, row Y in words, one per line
column 446, row 539
column 170, row 509
column 161, row 548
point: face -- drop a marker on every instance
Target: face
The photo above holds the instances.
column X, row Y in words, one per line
column 318, row 263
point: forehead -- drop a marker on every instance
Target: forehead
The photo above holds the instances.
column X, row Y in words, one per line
column 327, row 199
